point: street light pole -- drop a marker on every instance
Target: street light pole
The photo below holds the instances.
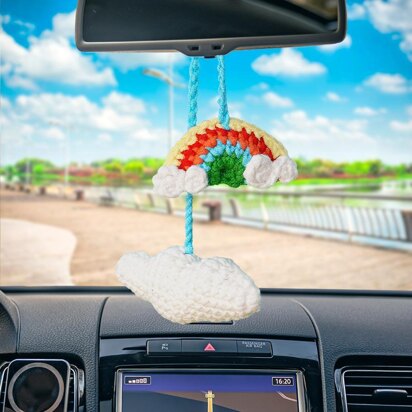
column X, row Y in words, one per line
column 171, row 105
column 28, row 165
column 66, row 148
column 168, row 79
column 28, row 173
column 67, row 157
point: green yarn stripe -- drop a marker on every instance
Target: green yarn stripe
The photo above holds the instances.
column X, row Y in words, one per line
column 226, row 169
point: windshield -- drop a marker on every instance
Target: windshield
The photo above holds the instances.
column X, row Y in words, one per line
column 83, row 134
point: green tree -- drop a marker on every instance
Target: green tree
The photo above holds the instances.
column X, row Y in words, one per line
column 375, row 167
column 39, row 169
column 115, row 166
column 134, row 166
column 29, row 164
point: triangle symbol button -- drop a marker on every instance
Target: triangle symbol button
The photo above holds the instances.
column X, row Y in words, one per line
column 209, row 348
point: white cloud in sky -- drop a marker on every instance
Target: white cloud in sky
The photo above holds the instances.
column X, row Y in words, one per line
column 368, row 111
column 406, row 44
column 24, row 25
column 104, row 137
column 235, row 108
column 16, row 81
column 46, row 117
column 323, row 137
column 389, row 83
column 335, row 97
column 53, row 133
column 356, row 11
column 131, row 61
column 388, row 16
column 299, row 126
column 5, row 19
column 275, row 100
column 51, row 57
column 341, row 139
column 260, row 86
column 330, row 48
column 287, row 63
column 404, row 127
column 116, row 113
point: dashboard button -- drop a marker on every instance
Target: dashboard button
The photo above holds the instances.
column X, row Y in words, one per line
column 209, row 347
column 164, row 347
column 254, row 347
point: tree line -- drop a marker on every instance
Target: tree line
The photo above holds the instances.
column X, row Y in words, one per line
column 141, row 170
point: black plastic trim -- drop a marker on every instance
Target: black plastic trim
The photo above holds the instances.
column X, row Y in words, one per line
column 122, row 290
column 204, row 47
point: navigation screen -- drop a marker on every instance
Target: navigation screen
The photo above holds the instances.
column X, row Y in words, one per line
column 201, row 392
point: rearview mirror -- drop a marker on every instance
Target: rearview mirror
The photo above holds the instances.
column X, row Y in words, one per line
column 207, row 27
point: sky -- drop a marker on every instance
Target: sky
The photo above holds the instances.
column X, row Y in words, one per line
column 344, row 102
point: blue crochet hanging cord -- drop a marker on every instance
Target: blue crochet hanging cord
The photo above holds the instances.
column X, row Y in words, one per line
column 192, row 122
column 182, row 286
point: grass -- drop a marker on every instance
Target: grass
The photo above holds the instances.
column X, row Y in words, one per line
column 348, row 181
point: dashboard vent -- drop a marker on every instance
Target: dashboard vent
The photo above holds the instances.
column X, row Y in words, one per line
column 377, row 390
column 3, row 372
column 76, row 388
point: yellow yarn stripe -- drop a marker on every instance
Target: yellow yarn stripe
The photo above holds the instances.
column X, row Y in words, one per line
column 175, row 154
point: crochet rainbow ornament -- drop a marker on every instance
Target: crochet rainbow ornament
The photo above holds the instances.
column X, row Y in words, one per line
column 209, row 155
column 182, row 286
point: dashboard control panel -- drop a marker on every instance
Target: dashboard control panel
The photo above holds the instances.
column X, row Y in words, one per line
column 208, row 347
column 146, row 371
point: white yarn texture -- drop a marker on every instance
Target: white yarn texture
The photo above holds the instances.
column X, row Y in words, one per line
column 186, row 288
column 259, row 172
column 170, row 181
column 262, row 173
column 195, row 179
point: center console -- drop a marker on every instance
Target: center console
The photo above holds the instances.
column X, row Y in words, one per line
column 209, row 374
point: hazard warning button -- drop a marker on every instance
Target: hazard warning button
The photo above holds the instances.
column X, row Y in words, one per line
column 209, row 347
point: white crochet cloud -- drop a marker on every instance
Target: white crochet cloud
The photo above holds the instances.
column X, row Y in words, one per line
column 170, row 181
column 285, row 169
column 262, row 173
column 195, row 179
column 259, row 172
column 186, row 288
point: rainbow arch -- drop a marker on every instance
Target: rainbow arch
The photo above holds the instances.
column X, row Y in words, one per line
column 223, row 154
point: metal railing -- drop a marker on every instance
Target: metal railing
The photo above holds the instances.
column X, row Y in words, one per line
column 300, row 210
column 387, row 223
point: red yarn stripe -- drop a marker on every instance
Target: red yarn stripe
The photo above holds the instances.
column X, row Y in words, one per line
column 191, row 155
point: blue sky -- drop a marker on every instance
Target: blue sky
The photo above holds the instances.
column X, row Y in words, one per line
column 343, row 102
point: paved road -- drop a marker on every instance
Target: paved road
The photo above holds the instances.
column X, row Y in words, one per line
column 272, row 259
column 34, row 254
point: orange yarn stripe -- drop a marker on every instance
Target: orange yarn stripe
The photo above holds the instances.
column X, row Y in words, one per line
column 191, row 155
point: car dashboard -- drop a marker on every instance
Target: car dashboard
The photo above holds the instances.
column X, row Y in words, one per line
column 304, row 351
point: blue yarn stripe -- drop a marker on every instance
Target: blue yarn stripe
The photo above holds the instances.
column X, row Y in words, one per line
column 224, row 118
column 192, row 121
